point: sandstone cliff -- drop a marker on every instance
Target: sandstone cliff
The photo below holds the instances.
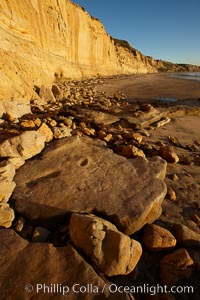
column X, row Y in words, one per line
column 44, row 39
column 41, row 40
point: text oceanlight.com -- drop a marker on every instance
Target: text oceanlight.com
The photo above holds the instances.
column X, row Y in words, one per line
column 55, row 288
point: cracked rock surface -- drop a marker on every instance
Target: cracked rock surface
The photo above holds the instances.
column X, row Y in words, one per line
column 46, row 265
column 127, row 192
column 96, row 238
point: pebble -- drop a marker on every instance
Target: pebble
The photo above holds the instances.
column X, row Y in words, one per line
column 171, row 195
column 53, row 123
column 195, row 218
column 168, row 154
column 27, row 124
column 175, row 177
column 108, row 138
column 40, row 234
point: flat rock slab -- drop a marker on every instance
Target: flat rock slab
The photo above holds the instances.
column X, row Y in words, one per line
column 82, row 175
column 37, row 271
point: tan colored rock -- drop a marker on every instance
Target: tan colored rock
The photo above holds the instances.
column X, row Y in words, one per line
column 99, row 117
column 56, row 91
column 133, row 136
column 23, row 228
column 46, row 94
column 9, row 117
column 89, row 131
column 156, row 238
column 40, row 234
column 195, row 218
column 133, row 190
column 46, row 131
column 130, row 151
column 144, row 132
column 7, row 215
column 185, row 236
column 27, row 124
column 171, row 194
column 108, row 138
column 78, row 133
column 173, row 140
column 168, row 154
column 186, row 160
column 138, row 137
column 24, row 265
column 52, row 123
column 117, row 96
column 110, row 250
column 37, row 122
column 17, row 162
column 14, row 109
column 6, row 189
column 143, row 119
column 68, row 122
column 19, row 224
column 163, row 122
column 7, row 171
column 61, row 132
column 26, row 145
column 82, row 125
column 7, row 185
column 101, row 134
column 176, row 266
column 175, row 177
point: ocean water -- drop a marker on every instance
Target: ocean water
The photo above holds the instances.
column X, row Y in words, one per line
column 186, row 76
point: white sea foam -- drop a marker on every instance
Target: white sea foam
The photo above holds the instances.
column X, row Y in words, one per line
column 187, row 76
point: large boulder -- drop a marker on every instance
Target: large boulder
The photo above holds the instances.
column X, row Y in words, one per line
column 82, row 175
column 168, row 154
column 185, row 236
column 157, row 238
column 14, row 109
column 46, row 94
column 40, row 270
column 25, row 145
column 7, row 185
column 46, row 131
column 176, row 266
column 7, row 215
column 110, row 250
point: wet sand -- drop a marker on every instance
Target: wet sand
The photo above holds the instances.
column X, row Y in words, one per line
column 152, row 86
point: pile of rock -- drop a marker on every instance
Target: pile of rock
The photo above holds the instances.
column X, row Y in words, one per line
column 76, row 108
column 95, row 253
column 106, row 214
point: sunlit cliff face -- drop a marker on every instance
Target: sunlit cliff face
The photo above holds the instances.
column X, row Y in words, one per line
column 41, row 40
column 44, row 40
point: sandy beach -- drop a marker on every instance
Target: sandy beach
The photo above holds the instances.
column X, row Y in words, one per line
column 151, row 86
column 185, row 129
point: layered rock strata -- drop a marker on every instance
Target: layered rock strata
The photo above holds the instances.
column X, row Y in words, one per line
column 96, row 238
column 57, row 39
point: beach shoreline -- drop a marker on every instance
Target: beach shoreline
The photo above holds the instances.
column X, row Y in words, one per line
column 148, row 87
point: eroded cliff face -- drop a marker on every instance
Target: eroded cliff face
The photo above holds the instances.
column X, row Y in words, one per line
column 44, row 39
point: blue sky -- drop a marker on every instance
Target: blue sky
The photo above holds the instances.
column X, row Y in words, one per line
column 164, row 29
